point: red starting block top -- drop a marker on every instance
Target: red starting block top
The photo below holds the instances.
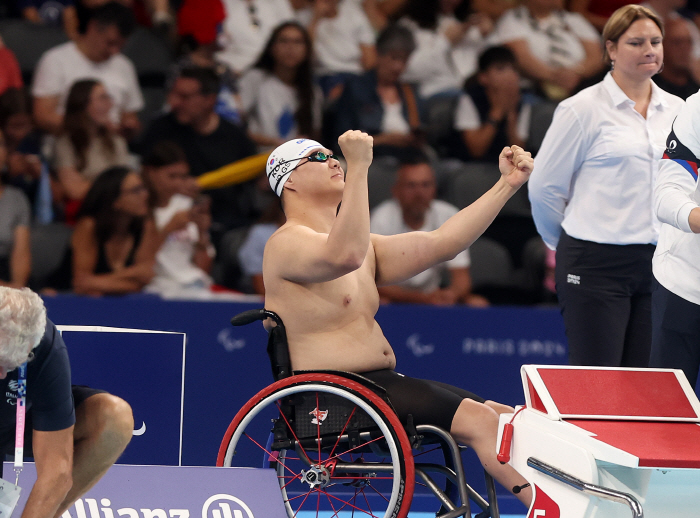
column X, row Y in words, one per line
column 656, row 444
column 610, row 393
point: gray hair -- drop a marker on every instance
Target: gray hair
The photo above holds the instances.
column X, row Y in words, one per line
column 22, row 324
column 395, row 38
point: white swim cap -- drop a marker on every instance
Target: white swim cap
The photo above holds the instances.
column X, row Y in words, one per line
column 284, row 159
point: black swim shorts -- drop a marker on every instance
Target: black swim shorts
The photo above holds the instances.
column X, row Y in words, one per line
column 429, row 402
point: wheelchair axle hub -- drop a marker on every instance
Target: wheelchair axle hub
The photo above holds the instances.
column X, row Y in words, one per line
column 316, row 477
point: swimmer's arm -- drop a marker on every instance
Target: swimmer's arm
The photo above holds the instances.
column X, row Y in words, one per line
column 400, row 257
column 301, row 255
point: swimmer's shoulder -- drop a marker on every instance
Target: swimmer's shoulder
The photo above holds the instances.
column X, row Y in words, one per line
column 287, row 239
column 289, row 231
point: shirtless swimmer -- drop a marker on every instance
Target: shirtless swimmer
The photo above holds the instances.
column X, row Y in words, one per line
column 322, row 267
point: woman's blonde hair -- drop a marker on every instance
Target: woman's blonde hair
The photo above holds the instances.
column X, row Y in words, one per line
column 622, row 19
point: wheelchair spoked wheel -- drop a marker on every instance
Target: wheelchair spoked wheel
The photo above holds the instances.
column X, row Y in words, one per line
column 360, row 464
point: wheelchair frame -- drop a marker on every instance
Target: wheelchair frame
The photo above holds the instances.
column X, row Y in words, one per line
column 365, row 395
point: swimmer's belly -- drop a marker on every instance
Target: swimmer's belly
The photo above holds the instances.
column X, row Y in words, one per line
column 340, row 352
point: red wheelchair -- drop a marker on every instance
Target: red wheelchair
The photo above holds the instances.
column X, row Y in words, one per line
column 338, row 447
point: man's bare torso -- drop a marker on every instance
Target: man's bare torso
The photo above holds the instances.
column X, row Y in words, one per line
column 330, row 325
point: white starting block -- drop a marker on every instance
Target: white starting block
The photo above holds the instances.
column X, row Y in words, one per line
column 607, row 442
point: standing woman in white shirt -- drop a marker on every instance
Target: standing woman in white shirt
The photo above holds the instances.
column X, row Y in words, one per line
column 591, row 194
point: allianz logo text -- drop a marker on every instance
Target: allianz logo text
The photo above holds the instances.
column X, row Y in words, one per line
column 216, row 506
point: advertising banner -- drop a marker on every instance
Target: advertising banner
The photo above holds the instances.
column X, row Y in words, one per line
column 172, row 492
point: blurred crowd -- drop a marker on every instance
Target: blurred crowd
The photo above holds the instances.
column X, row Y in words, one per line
column 109, row 111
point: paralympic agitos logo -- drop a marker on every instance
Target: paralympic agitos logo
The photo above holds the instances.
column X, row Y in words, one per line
column 217, row 506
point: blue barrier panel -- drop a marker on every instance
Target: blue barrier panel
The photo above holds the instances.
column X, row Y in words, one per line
column 145, row 369
column 478, row 349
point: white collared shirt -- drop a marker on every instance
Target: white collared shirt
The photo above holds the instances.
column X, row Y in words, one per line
column 597, row 166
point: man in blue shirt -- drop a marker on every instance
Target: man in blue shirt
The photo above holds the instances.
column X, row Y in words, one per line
column 74, row 433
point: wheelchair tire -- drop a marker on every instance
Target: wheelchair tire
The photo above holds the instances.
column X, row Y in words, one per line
column 371, row 472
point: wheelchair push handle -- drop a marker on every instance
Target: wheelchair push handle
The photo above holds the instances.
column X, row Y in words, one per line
column 253, row 315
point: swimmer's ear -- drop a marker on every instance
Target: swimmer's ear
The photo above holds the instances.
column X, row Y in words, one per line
column 289, row 184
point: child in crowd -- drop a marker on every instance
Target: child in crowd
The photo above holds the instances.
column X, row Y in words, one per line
column 185, row 256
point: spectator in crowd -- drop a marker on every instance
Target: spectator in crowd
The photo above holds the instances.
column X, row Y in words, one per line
column 10, row 74
column 247, row 29
column 114, row 242
column 26, row 169
column 669, row 10
column 185, row 255
column 197, row 22
column 596, row 12
column 379, row 103
column 435, row 33
column 15, row 218
column 279, row 94
column 209, row 142
column 478, row 28
column 53, row 13
column 74, row 433
column 675, row 313
column 412, row 208
column 591, row 194
column 491, row 112
column 250, row 254
column 88, row 145
column 556, row 48
column 343, row 43
column 676, row 77
column 95, row 54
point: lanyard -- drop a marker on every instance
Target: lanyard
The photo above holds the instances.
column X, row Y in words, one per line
column 21, row 414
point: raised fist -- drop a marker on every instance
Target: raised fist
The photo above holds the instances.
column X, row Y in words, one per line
column 357, row 148
column 515, row 164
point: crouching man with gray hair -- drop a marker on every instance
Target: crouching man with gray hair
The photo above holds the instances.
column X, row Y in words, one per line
column 74, row 433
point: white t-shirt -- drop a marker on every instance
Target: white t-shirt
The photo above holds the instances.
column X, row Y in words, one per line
column 174, row 267
column 467, row 117
column 387, row 220
column 465, row 53
column 64, row 64
column 241, row 40
column 555, row 40
column 393, row 120
column 338, row 40
column 430, row 65
column 271, row 105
